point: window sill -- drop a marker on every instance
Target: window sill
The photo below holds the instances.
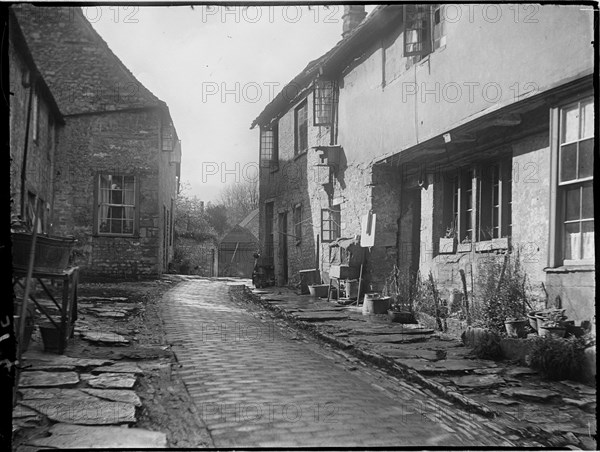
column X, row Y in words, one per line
column 300, row 154
column 127, row 236
column 572, row 268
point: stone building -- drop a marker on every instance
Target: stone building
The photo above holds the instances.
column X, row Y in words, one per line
column 117, row 164
column 472, row 122
column 35, row 125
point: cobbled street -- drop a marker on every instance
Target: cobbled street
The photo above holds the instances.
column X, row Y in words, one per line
column 256, row 383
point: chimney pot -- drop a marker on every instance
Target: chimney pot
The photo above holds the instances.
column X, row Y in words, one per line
column 352, row 17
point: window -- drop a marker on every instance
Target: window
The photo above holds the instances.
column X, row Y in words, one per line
column 35, row 111
column 330, row 224
column 481, row 214
column 575, row 181
column 116, row 204
column 301, row 128
column 269, row 241
column 325, row 98
column 167, row 136
column 425, row 29
column 298, row 223
column 495, row 201
column 269, row 152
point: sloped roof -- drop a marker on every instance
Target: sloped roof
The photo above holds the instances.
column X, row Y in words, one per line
column 17, row 38
column 343, row 53
column 251, row 216
column 82, row 72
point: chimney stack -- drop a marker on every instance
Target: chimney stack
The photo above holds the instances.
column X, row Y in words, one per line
column 352, row 17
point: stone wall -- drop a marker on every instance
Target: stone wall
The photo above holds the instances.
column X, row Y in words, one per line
column 114, row 143
column 41, row 150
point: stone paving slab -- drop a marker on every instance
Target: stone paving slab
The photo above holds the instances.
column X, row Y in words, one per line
column 76, row 407
column 393, row 338
column 319, row 316
column 110, row 380
column 41, row 379
column 80, row 363
column 445, row 366
column 116, row 395
column 105, row 338
column 119, row 367
column 478, row 381
column 538, row 395
column 81, row 437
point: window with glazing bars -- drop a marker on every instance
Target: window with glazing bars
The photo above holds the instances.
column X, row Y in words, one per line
column 330, row 224
column 301, row 128
column 116, row 204
column 269, row 155
column 325, row 98
column 575, row 180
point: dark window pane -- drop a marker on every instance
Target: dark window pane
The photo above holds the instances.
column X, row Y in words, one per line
column 568, row 162
column 588, row 201
column 586, row 158
column 572, row 206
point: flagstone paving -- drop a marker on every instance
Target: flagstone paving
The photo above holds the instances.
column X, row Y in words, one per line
column 256, row 386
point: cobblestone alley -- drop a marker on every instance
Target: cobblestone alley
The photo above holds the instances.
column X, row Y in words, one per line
column 255, row 383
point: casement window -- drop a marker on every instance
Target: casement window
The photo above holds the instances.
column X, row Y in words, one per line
column 425, row 29
column 35, row 112
column 301, row 128
column 269, row 152
column 269, row 254
column 298, row 222
column 325, row 99
column 479, row 202
column 167, row 134
column 495, row 201
column 330, row 223
column 575, row 198
column 116, row 204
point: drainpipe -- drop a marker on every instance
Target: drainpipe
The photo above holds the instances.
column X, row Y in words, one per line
column 26, row 146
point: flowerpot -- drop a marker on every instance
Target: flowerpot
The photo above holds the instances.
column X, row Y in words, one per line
column 447, row 245
column 51, row 253
column 531, row 316
column 375, row 304
column 463, row 247
column 401, row 316
column 516, row 328
column 50, row 337
column 552, row 331
column 318, row 290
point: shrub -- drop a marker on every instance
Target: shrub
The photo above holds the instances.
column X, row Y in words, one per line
column 488, row 348
column 557, row 358
column 502, row 287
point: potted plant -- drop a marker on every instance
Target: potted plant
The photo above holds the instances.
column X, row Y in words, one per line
column 553, row 325
column 448, row 242
column 401, row 312
column 515, row 327
column 465, row 245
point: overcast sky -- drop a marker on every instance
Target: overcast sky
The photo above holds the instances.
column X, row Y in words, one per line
column 216, row 69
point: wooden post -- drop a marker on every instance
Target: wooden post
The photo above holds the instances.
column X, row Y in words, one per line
column 360, row 277
column 437, row 303
column 464, row 284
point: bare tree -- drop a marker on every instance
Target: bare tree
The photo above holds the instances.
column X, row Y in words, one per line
column 240, row 199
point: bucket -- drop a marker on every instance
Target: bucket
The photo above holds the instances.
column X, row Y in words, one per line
column 50, row 337
column 374, row 303
column 318, row 290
